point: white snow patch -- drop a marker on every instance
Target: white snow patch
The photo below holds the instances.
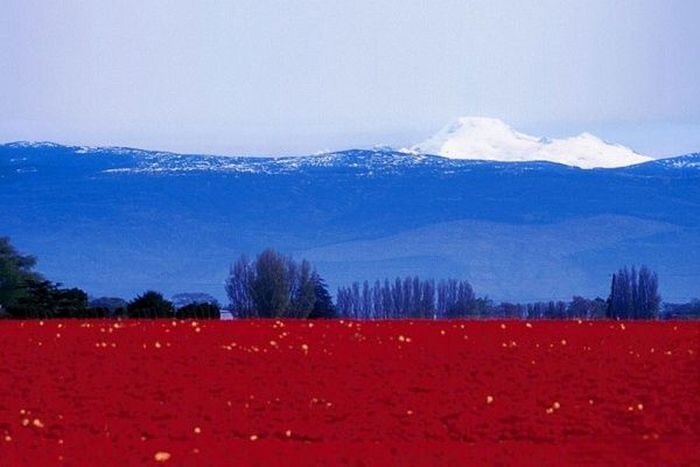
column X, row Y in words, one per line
column 492, row 139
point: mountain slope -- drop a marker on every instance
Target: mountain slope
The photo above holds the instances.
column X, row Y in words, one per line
column 118, row 221
column 492, row 139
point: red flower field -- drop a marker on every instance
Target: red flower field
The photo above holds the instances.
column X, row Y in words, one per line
column 339, row 392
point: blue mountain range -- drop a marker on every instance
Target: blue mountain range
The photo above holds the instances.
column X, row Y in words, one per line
column 118, row 221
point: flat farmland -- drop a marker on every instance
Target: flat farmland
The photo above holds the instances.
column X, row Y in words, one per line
column 263, row 392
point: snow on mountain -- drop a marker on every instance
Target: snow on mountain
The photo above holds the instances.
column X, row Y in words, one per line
column 688, row 161
column 32, row 145
column 24, row 157
column 492, row 139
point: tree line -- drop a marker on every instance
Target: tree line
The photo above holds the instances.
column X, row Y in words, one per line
column 410, row 297
column 276, row 286
column 26, row 294
column 634, row 294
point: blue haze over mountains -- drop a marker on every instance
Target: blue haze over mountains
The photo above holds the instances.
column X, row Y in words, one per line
column 118, row 221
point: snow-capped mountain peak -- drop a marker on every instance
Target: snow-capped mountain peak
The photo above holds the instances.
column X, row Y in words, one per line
column 492, row 139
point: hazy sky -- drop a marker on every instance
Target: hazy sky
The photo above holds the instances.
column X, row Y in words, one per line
column 295, row 76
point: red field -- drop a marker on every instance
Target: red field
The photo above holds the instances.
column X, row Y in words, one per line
column 380, row 393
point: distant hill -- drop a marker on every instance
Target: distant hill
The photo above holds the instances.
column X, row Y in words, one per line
column 117, row 221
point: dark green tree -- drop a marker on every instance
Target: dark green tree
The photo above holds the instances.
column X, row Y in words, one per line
column 44, row 299
column 16, row 274
column 634, row 294
column 323, row 305
column 150, row 305
column 271, row 286
column 239, row 288
column 304, row 293
column 649, row 300
column 36, row 301
column 199, row 311
column 70, row 303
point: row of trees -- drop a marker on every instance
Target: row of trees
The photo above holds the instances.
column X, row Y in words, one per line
column 24, row 293
column 413, row 297
column 634, row 294
column 410, row 297
column 690, row 310
column 578, row 307
column 153, row 305
column 45, row 300
column 276, row 286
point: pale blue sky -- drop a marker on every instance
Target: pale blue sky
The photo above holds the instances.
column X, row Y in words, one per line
column 257, row 76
